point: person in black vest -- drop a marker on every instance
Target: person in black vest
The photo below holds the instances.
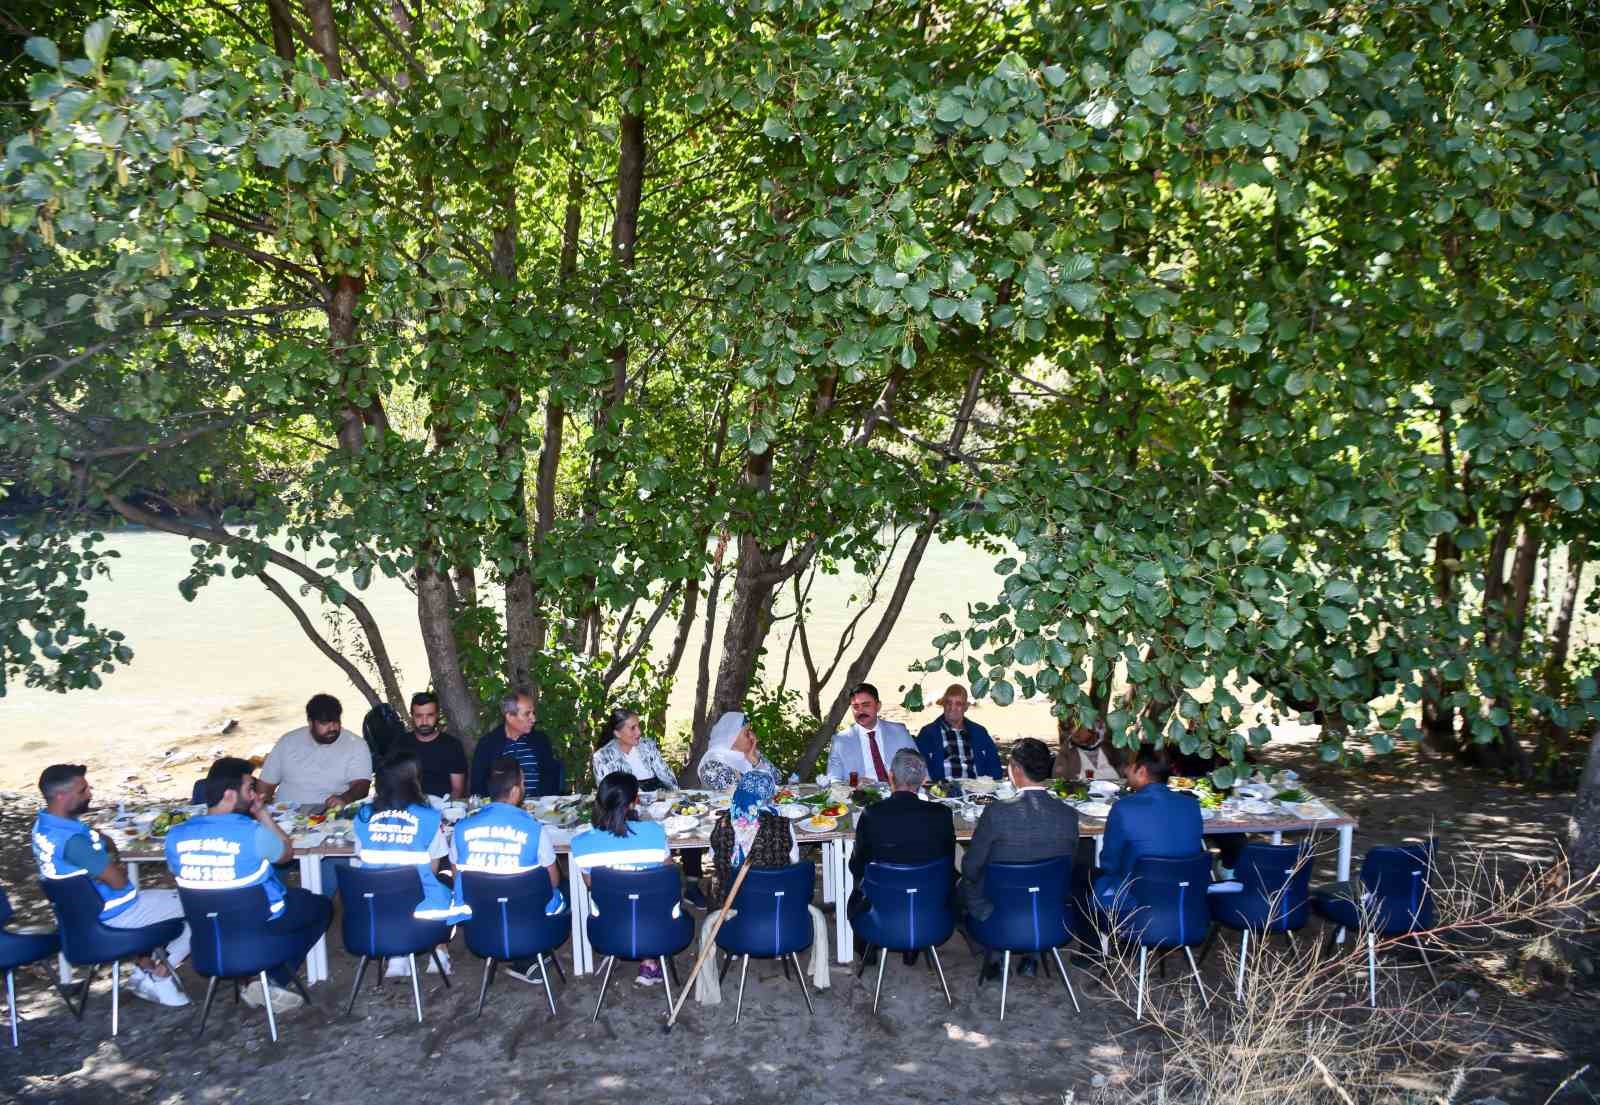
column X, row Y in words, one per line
column 441, row 757
column 900, row 829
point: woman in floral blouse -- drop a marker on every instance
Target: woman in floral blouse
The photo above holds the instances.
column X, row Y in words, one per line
column 626, row 750
column 730, row 753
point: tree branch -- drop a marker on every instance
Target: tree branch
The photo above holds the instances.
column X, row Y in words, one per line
column 350, row 670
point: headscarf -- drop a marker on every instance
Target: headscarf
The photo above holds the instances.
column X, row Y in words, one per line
column 751, row 798
column 719, row 745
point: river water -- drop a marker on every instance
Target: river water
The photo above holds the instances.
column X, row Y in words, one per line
column 235, row 654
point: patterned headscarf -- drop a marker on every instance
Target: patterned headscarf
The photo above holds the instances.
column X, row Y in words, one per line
column 751, row 798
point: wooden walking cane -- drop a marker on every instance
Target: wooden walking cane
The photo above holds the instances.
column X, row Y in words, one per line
column 709, row 941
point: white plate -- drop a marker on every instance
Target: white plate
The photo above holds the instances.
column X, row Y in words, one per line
column 658, row 810
column 830, row 824
column 1094, row 809
column 1257, row 806
column 794, row 811
column 1103, row 788
column 679, row 824
column 1254, row 790
column 981, row 785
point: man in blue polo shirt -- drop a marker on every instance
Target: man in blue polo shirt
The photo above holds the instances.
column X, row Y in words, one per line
column 516, row 737
column 234, row 845
column 66, row 848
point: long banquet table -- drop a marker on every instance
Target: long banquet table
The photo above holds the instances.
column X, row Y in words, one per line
column 837, row 881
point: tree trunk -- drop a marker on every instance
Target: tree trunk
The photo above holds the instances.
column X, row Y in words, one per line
column 1583, row 838
column 555, row 414
column 868, row 656
column 444, row 659
column 1554, row 740
column 1523, row 571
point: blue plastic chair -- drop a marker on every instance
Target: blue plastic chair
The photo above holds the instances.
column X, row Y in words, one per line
column 1032, row 915
column 910, row 908
column 1163, row 906
column 509, row 922
column 770, row 920
column 640, row 917
column 234, row 939
column 18, row 949
column 86, row 942
column 377, row 924
column 1397, row 902
column 1274, row 895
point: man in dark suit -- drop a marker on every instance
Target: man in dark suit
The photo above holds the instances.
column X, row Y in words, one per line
column 1033, row 826
column 902, row 828
column 1152, row 821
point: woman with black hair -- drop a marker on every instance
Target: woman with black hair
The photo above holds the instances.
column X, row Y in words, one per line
column 400, row 829
column 615, row 839
column 625, row 749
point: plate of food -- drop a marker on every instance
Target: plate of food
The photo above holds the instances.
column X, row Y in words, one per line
column 819, row 824
column 679, row 824
column 834, row 809
column 659, row 810
column 980, row 785
column 165, row 820
column 1103, row 788
column 866, row 796
column 1257, row 806
column 794, row 811
column 1069, row 790
column 1094, row 809
column 1292, row 794
column 689, row 808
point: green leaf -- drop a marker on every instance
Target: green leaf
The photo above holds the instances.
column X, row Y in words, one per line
column 1335, row 618
column 1357, row 161
column 1054, row 75
column 1273, row 546
column 913, row 699
column 43, row 51
column 375, row 125
column 1487, row 220
column 1525, row 40
column 1570, row 500
column 1159, row 43
column 96, row 38
column 1002, row 692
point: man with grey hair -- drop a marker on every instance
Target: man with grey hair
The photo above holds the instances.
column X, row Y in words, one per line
column 516, row 737
column 902, row 828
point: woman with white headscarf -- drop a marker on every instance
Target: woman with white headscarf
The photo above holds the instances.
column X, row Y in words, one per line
column 730, row 753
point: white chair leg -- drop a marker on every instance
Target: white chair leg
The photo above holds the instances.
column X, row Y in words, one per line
column 1062, row 967
column 883, row 957
column 116, row 990
column 1005, row 977
column 1144, row 960
column 1244, row 951
column 11, row 1003
column 1200, row 982
column 272, row 1018
column 416, row 989
column 933, row 953
column 1372, row 968
column 738, row 1006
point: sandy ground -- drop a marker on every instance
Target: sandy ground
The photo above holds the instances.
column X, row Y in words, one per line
column 913, row 1049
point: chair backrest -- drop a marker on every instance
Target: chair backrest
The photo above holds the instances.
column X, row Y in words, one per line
column 911, row 904
column 769, row 916
column 378, row 903
column 6, row 911
column 85, row 939
column 636, row 910
column 197, row 793
column 1275, row 879
column 1030, row 905
column 230, row 933
column 1397, row 877
column 557, row 782
column 508, row 919
column 1168, row 901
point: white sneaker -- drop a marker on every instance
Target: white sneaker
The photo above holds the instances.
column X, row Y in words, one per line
column 399, row 967
column 530, row 976
column 161, row 990
column 283, row 1001
column 444, row 957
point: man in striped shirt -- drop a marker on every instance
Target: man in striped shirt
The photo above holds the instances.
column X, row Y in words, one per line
column 516, row 737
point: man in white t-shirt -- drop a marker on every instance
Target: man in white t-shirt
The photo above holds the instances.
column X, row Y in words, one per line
column 323, row 764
